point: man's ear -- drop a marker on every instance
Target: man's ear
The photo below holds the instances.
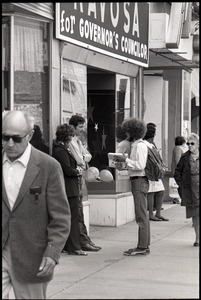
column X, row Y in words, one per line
column 30, row 135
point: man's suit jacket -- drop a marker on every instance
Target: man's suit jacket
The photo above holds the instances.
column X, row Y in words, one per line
column 69, row 165
column 36, row 227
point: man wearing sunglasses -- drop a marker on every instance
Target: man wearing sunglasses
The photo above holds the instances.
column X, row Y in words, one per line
column 35, row 211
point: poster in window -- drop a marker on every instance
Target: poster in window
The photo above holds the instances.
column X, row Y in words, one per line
column 74, row 90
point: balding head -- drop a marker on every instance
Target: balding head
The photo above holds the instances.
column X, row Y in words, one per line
column 16, row 124
column 17, row 121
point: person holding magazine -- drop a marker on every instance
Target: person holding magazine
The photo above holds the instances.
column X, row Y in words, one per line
column 135, row 130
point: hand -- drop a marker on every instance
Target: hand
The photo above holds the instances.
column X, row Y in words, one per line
column 87, row 157
column 80, row 171
column 119, row 158
column 46, row 267
column 118, row 166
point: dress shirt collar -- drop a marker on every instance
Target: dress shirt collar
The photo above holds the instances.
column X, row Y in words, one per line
column 23, row 159
column 75, row 138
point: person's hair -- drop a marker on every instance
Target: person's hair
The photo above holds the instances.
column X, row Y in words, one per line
column 37, row 140
column 151, row 125
column 29, row 119
column 194, row 136
column 135, row 127
column 37, row 133
column 75, row 120
column 151, row 131
column 179, row 140
column 120, row 133
column 64, row 132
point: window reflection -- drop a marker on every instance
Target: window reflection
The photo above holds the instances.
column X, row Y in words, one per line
column 5, row 63
column 74, row 91
column 123, row 98
column 31, row 72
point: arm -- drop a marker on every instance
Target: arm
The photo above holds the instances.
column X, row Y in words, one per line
column 178, row 172
column 124, row 147
column 63, row 158
column 87, row 156
column 76, row 153
column 59, row 220
column 177, row 153
column 58, row 209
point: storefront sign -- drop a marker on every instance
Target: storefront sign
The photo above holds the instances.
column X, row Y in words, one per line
column 117, row 29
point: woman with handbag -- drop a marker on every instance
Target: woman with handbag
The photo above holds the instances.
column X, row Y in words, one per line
column 187, row 178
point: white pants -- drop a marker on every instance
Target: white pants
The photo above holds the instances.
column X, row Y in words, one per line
column 22, row 290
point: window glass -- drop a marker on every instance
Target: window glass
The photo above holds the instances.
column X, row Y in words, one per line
column 122, row 98
column 5, row 63
column 122, row 112
column 31, row 71
column 74, row 90
column 186, row 104
column 74, row 99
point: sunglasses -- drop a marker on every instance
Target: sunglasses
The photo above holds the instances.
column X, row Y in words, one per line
column 192, row 144
column 15, row 138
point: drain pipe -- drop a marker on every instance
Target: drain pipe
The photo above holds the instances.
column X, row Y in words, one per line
column 140, row 94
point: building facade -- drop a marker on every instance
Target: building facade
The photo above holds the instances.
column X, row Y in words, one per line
column 105, row 62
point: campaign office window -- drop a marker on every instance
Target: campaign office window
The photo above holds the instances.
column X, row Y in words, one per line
column 31, row 70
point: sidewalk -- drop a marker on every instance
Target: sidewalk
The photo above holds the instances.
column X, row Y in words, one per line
column 170, row 271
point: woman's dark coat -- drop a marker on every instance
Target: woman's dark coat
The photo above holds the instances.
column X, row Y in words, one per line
column 182, row 177
column 68, row 164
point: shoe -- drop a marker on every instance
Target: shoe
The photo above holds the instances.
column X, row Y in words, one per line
column 89, row 247
column 77, row 252
column 176, row 201
column 155, row 219
column 148, row 250
column 196, row 244
column 134, row 251
column 162, row 218
column 64, row 251
column 91, row 243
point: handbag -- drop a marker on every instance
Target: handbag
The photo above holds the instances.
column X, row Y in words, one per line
column 173, row 188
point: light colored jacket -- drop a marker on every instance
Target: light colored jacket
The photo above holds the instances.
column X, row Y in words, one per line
column 36, row 228
column 79, row 152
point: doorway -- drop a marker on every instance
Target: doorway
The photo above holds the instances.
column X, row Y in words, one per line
column 101, row 123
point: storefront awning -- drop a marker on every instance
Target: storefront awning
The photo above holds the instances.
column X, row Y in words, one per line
column 166, row 59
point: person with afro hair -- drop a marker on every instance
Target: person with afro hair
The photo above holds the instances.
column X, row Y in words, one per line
column 135, row 130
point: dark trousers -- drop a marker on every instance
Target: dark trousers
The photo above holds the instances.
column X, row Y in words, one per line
column 73, row 241
column 140, row 188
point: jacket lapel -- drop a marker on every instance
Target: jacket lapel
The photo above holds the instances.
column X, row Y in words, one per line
column 68, row 150
column 30, row 174
column 4, row 194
